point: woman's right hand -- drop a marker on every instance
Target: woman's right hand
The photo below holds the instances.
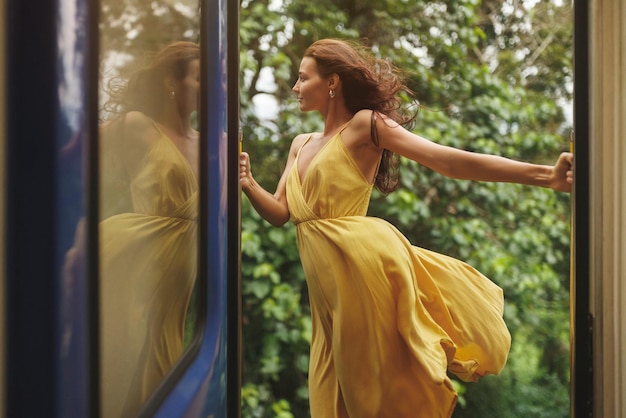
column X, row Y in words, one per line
column 245, row 174
column 563, row 173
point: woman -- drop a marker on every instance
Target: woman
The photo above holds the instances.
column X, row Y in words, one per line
column 389, row 319
column 148, row 233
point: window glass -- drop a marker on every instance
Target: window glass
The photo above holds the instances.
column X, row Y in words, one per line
column 148, row 230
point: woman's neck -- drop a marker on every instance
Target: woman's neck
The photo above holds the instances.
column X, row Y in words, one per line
column 334, row 120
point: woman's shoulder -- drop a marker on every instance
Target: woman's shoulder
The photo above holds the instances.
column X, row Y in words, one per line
column 362, row 118
column 300, row 139
column 361, row 122
column 133, row 121
column 138, row 121
column 132, row 133
column 297, row 143
column 359, row 129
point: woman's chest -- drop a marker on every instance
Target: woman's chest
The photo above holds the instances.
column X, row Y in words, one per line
column 309, row 154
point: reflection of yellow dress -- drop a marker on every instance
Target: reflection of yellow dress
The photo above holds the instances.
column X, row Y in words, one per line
column 148, row 265
column 389, row 318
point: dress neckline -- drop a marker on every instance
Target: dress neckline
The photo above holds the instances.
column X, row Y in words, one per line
column 163, row 136
column 302, row 178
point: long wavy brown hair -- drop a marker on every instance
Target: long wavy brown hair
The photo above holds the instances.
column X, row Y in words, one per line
column 144, row 91
column 368, row 83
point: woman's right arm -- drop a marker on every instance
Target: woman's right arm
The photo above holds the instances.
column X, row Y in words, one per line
column 272, row 207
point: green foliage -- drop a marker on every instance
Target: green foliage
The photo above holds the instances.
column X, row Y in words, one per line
column 276, row 321
column 519, row 391
column 132, row 29
column 491, row 76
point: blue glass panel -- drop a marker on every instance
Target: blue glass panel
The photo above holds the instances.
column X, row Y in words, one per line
column 72, row 237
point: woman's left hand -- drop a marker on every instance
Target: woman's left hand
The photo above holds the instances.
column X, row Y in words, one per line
column 563, row 173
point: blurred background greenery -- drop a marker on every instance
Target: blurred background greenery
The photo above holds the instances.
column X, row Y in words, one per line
column 493, row 76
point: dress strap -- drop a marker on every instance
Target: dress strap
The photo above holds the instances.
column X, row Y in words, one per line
column 156, row 126
column 345, row 125
column 303, row 144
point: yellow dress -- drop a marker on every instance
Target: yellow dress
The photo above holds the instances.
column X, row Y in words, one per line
column 389, row 319
column 148, row 265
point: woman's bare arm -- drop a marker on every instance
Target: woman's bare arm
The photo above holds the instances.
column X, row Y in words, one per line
column 272, row 207
column 467, row 165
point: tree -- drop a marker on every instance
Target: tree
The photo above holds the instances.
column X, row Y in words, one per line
column 131, row 29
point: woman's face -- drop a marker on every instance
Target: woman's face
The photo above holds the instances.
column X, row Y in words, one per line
column 311, row 88
column 188, row 90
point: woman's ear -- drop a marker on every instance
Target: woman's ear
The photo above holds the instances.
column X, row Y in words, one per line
column 169, row 84
column 333, row 81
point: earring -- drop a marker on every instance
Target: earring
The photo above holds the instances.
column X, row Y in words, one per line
column 172, row 94
column 331, row 93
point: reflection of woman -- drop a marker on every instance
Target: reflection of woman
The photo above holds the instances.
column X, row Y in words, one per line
column 148, row 233
column 389, row 319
